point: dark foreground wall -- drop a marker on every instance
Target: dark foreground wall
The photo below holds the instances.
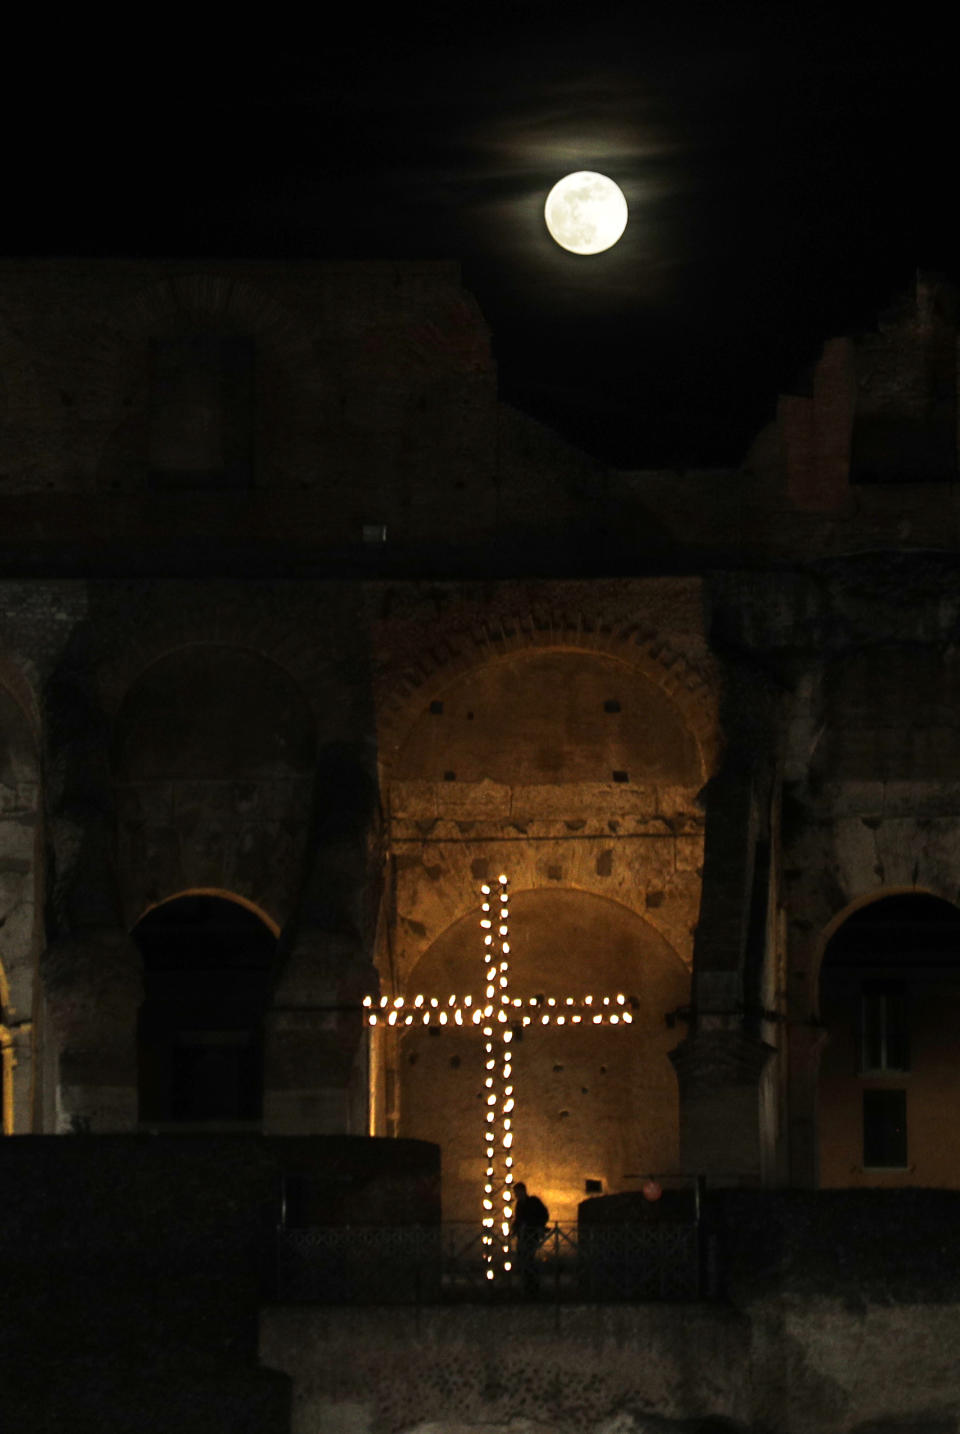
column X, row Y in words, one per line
column 781, row 1367
column 134, row 1268
column 833, row 1313
column 889, row 1247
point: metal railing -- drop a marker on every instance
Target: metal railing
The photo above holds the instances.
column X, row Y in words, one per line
column 369, row 1264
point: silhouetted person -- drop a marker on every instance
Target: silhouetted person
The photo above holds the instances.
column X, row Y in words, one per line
column 529, row 1225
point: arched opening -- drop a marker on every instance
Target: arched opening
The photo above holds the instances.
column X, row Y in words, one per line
column 594, row 1104
column 207, row 966
column 552, row 716
column 889, row 1077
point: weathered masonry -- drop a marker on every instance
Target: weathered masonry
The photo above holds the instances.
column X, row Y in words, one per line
column 305, row 637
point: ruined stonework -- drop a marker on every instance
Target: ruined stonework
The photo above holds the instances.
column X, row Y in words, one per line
column 304, row 637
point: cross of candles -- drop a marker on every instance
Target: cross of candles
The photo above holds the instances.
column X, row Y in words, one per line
column 499, row 1016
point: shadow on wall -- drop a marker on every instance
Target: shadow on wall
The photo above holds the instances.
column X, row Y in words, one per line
column 213, row 761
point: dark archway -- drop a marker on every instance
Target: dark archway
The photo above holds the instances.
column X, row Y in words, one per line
column 889, row 1078
column 207, row 967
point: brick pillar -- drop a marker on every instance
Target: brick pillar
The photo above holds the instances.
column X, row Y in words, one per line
column 94, row 988
column 315, row 1057
column 316, row 1053
column 720, row 1071
column 724, row 1066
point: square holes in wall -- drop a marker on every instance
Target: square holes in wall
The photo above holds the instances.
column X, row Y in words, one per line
column 611, row 705
column 593, row 1187
column 621, row 776
column 436, row 708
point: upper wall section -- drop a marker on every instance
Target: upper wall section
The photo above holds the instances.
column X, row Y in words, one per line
column 120, row 377
column 174, row 418
column 551, row 716
column 162, row 418
column 225, row 413
column 860, row 457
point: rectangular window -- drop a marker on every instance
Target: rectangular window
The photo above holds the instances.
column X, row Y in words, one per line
column 201, row 412
column 884, row 1044
column 885, row 1129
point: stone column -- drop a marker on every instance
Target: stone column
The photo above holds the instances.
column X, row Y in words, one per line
column 316, row 1054
column 720, row 1071
column 724, row 1065
column 94, row 988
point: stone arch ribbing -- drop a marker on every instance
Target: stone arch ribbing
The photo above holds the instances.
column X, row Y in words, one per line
column 301, row 657
column 869, row 898
column 636, row 645
column 211, row 295
column 264, row 916
column 470, row 905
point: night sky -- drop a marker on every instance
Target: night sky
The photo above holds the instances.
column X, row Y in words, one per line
column 787, row 171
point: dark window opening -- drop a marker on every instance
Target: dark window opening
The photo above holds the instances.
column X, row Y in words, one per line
column 885, row 1129
column 206, row 969
column 216, row 1076
column 884, row 1044
column 201, row 412
column 611, row 705
column 593, row 1187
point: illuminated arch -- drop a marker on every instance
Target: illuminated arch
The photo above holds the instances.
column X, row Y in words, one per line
column 638, row 647
column 250, row 906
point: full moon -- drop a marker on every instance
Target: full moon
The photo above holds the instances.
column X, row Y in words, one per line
column 586, row 212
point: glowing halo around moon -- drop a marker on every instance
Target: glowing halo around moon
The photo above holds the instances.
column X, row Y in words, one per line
column 586, row 212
